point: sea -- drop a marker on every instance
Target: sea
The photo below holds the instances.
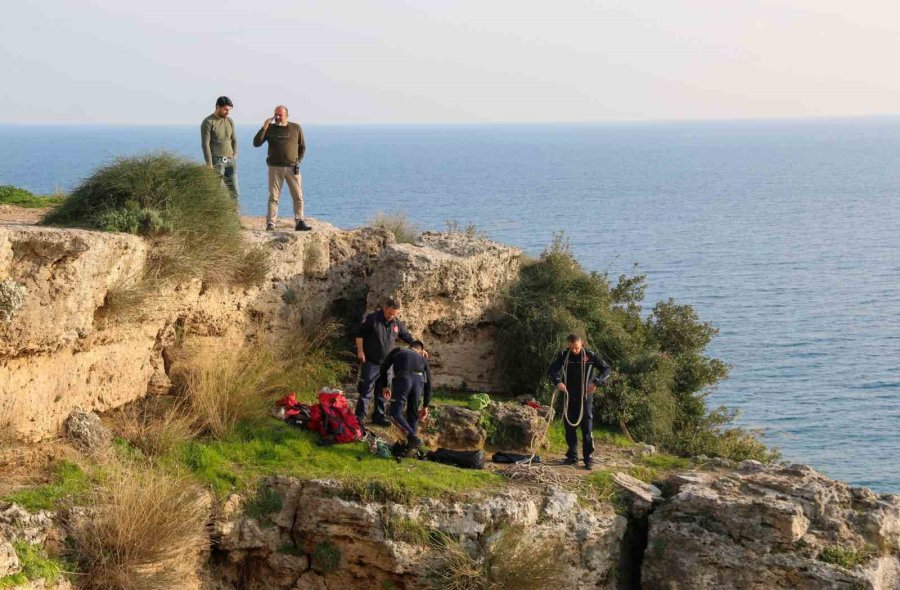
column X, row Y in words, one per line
column 784, row 234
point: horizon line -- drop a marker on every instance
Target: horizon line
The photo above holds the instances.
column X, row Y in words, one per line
column 785, row 118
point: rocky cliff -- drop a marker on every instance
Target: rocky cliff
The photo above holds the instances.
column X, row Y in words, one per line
column 71, row 345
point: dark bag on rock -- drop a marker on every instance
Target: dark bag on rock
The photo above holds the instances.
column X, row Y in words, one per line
column 514, row 458
column 464, row 459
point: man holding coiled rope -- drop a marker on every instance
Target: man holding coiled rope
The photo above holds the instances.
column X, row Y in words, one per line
column 577, row 373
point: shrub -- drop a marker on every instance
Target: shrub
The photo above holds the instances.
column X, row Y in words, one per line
column 326, row 558
column 846, row 557
column 405, row 232
column 514, row 558
column 182, row 206
column 661, row 376
column 147, row 530
column 13, row 195
column 470, row 231
column 224, row 387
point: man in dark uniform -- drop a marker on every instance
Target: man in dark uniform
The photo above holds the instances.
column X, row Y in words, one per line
column 376, row 336
column 577, row 373
column 412, row 383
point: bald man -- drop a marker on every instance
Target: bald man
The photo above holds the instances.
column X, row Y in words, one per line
column 286, row 149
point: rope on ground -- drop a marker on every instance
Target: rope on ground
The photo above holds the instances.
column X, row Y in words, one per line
column 536, row 473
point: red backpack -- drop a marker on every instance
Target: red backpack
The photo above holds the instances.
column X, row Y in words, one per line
column 333, row 419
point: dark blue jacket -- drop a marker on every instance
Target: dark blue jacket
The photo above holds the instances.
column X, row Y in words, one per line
column 404, row 361
column 380, row 336
column 579, row 370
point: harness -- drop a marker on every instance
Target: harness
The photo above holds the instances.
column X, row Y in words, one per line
column 581, row 389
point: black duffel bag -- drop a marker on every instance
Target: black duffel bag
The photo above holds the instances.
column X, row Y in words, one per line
column 514, row 458
column 464, row 459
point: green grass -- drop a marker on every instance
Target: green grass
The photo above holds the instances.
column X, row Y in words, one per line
column 35, row 566
column 665, row 462
column 263, row 505
column 406, row 530
column 326, row 558
column 846, row 557
column 239, row 461
column 12, row 195
column 556, row 436
column 68, row 482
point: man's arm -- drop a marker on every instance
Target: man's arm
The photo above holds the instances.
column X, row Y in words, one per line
column 556, row 368
column 233, row 137
column 260, row 137
column 362, row 330
column 204, row 141
column 385, row 367
column 603, row 369
column 403, row 333
column 301, row 144
column 426, row 400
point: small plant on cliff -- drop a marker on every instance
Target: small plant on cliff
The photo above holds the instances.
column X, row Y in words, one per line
column 180, row 206
column 146, row 532
column 846, row 557
column 326, row 557
column 661, row 374
column 405, row 232
column 35, row 566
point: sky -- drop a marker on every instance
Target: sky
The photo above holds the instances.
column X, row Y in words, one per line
column 446, row 61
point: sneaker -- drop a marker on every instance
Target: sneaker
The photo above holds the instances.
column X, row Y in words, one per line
column 570, row 461
column 301, row 226
column 270, row 227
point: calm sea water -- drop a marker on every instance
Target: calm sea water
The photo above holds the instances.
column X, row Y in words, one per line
column 783, row 234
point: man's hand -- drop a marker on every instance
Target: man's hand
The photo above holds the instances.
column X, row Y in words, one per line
column 423, row 413
column 361, row 357
column 424, row 353
column 386, row 393
column 562, row 387
column 591, row 388
column 267, row 122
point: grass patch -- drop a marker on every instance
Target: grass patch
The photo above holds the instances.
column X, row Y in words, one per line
column 846, row 557
column 326, row 558
column 13, row 195
column 513, row 558
column 263, row 504
column 237, row 462
column 179, row 205
column 405, row 530
column 405, row 232
column 35, row 566
column 666, row 462
column 147, row 531
column 556, row 437
column 67, row 482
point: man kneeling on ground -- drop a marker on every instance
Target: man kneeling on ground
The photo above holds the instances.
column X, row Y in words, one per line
column 412, row 383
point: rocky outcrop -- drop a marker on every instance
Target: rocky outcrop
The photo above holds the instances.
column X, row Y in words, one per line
column 448, row 284
column 69, row 346
column 321, row 540
column 768, row 528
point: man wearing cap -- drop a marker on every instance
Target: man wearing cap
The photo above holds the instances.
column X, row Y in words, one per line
column 411, row 385
column 577, row 373
column 286, row 150
column 375, row 337
column 219, row 142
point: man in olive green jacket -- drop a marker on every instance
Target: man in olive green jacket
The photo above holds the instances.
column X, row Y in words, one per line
column 219, row 142
column 286, row 149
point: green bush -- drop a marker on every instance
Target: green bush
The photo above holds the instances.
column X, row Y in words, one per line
column 661, row 374
column 178, row 203
column 13, row 195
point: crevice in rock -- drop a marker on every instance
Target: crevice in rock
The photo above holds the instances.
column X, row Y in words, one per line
column 633, row 548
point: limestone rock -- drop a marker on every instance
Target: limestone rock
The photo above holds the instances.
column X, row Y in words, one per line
column 449, row 284
column 770, row 527
column 518, row 427
column 9, row 561
column 87, row 430
column 17, row 524
column 454, row 427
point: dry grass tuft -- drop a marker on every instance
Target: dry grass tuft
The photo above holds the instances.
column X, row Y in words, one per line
column 224, row 387
column 157, row 427
column 515, row 558
column 147, row 531
column 405, row 232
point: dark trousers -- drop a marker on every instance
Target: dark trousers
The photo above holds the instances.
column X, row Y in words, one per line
column 587, row 427
column 406, row 391
column 368, row 375
column 228, row 172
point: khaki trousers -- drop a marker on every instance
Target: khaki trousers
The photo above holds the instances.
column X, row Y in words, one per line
column 277, row 177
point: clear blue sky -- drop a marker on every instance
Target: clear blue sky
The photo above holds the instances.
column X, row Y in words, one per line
column 119, row 61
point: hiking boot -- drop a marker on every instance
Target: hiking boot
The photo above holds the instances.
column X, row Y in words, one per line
column 413, row 443
column 301, row 226
column 588, row 465
column 570, row 461
column 381, row 422
column 270, row 227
